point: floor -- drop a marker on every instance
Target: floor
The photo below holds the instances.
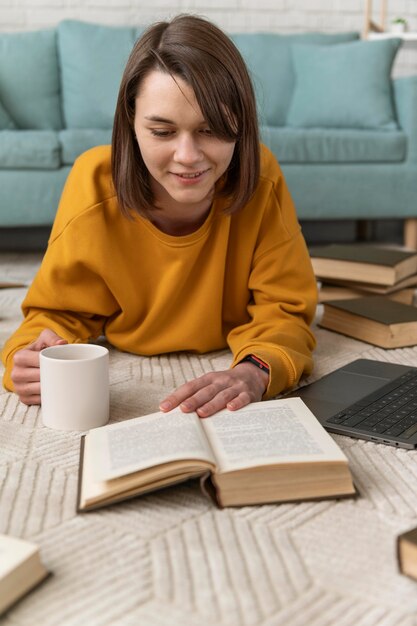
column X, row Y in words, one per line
column 171, row 558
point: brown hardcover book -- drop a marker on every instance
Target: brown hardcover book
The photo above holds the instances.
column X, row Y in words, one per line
column 339, row 292
column 266, row 452
column 366, row 263
column 407, row 553
column 375, row 319
column 371, row 288
column 21, row 569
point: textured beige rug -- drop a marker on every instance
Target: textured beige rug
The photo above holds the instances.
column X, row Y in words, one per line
column 171, row 558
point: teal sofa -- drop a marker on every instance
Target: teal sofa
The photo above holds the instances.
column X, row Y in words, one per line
column 344, row 133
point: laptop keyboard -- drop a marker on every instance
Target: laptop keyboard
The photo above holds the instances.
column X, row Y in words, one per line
column 392, row 410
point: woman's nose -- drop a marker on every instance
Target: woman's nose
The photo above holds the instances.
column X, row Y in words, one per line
column 187, row 149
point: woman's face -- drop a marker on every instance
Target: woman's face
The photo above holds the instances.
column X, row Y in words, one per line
column 184, row 159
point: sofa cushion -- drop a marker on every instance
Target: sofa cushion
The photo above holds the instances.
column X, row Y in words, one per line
column 29, row 79
column 34, row 149
column 75, row 141
column 348, row 86
column 268, row 56
column 6, row 122
column 313, row 145
column 93, row 58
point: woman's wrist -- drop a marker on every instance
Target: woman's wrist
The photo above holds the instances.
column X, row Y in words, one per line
column 261, row 374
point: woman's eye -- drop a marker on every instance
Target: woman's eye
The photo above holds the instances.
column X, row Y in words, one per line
column 206, row 131
column 161, row 133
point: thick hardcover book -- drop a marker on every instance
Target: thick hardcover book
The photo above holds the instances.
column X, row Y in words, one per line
column 329, row 291
column 21, row 569
column 407, row 553
column 410, row 282
column 375, row 319
column 271, row 451
column 366, row 263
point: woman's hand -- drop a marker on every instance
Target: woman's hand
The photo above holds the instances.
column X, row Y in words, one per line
column 25, row 373
column 231, row 389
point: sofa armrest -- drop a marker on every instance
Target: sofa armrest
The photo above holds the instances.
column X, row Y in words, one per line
column 405, row 95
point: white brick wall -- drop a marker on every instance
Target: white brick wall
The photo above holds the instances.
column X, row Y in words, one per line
column 282, row 16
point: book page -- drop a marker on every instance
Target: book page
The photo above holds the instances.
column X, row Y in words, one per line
column 14, row 551
column 265, row 433
column 143, row 442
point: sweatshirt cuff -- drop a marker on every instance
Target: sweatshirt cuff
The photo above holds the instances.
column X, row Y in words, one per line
column 282, row 375
column 8, row 366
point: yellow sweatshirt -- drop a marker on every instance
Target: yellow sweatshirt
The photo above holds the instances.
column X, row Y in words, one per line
column 243, row 280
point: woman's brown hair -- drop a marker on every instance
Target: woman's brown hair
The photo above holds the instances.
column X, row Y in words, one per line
column 199, row 53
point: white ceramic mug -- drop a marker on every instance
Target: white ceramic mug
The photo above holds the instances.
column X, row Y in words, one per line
column 74, row 386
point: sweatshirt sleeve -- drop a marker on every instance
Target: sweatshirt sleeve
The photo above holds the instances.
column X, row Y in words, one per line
column 283, row 297
column 68, row 294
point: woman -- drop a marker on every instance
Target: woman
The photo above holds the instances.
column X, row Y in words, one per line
column 182, row 236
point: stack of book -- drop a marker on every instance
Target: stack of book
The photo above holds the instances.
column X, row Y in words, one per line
column 368, row 292
column 357, row 270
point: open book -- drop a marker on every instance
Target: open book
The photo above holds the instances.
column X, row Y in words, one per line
column 266, row 452
column 21, row 569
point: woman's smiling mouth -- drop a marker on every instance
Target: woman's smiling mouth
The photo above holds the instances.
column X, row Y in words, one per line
column 190, row 177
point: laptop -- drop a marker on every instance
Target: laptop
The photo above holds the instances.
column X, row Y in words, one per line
column 367, row 399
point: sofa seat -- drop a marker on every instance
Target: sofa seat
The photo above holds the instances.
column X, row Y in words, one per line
column 34, row 149
column 331, row 145
column 75, row 141
column 28, row 196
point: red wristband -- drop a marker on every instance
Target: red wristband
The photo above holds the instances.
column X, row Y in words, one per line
column 256, row 361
